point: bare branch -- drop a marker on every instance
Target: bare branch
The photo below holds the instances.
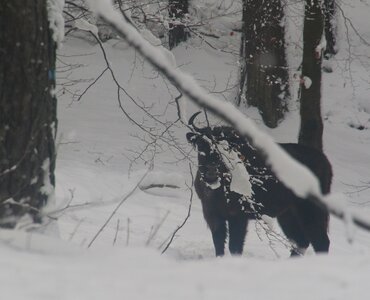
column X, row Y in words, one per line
column 188, row 214
column 116, row 209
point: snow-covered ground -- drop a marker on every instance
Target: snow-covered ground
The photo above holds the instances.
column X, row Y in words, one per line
column 100, row 162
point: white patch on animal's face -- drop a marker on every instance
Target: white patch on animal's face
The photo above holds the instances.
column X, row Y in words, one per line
column 215, row 185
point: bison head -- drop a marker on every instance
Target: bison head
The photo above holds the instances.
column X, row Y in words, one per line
column 210, row 162
column 219, row 157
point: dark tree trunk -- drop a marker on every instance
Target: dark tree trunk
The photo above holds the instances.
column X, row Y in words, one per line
column 178, row 32
column 311, row 122
column 27, row 110
column 330, row 28
column 264, row 75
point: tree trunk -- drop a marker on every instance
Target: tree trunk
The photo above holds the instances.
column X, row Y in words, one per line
column 311, row 122
column 178, row 32
column 27, row 110
column 330, row 28
column 265, row 73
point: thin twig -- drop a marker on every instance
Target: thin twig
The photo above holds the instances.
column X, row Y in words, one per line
column 188, row 214
column 115, row 236
column 91, row 84
column 155, row 229
column 128, row 232
column 116, row 209
column 75, row 230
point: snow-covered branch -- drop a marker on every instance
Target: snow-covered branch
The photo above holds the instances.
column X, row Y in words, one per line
column 294, row 175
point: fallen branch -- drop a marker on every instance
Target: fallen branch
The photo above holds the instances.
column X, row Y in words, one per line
column 159, row 185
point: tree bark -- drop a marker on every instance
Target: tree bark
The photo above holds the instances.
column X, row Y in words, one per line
column 312, row 127
column 265, row 72
column 330, row 28
column 177, row 11
column 27, row 110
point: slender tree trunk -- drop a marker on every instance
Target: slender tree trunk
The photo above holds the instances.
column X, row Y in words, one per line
column 311, row 122
column 330, row 28
column 265, row 73
column 241, row 96
column 177, row 11
column 27, row 110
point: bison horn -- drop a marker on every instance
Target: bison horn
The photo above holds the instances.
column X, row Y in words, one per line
column 191, row 121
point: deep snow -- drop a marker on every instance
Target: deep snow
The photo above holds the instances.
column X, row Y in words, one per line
column 97, row 146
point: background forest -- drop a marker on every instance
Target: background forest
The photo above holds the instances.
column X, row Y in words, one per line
column 123, row 221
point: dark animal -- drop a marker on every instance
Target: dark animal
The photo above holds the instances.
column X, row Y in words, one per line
column 227, row 212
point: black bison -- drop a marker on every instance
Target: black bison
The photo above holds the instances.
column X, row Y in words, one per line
column 234, row 185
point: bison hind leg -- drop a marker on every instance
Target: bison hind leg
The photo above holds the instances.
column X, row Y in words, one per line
column 293, row 230
column 315, row 224
column 237, row 233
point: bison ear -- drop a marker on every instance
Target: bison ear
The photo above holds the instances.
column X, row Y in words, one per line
column 191, row 137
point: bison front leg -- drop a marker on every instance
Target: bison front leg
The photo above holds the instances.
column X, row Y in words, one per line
column 218, row 229
column 237, row 233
